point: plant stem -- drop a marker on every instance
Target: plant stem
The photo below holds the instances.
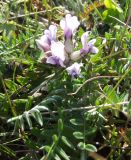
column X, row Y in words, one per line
column 83, row 155
column 87, row 108
column 8, row 98
column 92, row 79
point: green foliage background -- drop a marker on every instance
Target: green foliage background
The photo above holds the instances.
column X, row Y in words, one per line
column 44, row 114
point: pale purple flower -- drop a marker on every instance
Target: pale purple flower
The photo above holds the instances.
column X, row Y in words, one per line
column 88, row 46
column 45, row 41
column 58, row 54
column 74, row 70
column 69, row 24
column 51, row 33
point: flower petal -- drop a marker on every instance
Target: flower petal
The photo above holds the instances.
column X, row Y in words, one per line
column 62, row 24
column 72, row 22
column 57, row 49
column 51, row 33
column 61, row 63
column 53, row 30
column 75, row 69
column 45, row 41
column 43, row 44
column 92, row 42
column 69, row 24
column 94, row 50
column 51, row 60
column 84, row 38
column 55, row 61
column 47, row 33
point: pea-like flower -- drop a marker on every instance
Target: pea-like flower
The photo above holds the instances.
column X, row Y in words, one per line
column 45, row 41
column 88, row 46
column 69, row 24
column 75, row 70
column 58, row 54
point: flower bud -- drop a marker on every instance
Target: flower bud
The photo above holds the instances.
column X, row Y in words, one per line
column 75, row 55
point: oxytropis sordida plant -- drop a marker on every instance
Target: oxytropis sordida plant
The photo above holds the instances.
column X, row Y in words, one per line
column 65, row 55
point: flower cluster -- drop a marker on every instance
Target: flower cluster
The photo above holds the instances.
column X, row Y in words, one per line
column 57, row 53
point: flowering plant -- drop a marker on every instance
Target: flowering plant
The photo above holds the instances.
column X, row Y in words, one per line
column 63, row 54
column 73, row 103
